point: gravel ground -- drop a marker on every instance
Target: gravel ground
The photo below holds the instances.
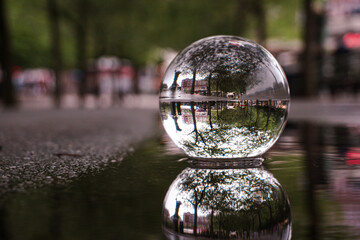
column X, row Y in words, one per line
column 45, row 146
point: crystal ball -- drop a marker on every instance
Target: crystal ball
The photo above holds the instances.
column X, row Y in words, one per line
column 224, row 97
column 226, row 204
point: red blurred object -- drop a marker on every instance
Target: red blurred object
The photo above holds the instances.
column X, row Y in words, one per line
column 353, row 156
column 352, row 40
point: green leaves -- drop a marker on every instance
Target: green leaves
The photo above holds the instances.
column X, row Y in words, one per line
column 133, row 29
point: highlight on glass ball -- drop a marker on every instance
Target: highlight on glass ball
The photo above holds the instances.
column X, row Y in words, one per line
column 224, row 97
column 226, row 204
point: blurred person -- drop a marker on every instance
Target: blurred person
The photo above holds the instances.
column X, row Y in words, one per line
column 105, row 89
column 125, row 78
column 340, row 82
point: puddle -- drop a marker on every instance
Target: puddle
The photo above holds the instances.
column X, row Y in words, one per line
column 317, row 167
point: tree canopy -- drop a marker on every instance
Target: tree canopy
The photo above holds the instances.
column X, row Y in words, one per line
column 135, row 29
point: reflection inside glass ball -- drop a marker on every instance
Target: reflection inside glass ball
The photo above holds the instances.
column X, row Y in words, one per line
column 224, row 204
column 224, row 97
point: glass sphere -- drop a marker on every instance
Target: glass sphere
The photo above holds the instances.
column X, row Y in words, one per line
column 226, row 204
column 224, row 97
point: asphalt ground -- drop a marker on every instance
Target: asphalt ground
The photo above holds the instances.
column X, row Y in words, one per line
column 43, row 146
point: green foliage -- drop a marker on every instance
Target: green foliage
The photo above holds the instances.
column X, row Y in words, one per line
column 284, row 19
column 28, row 27
column 133, row 29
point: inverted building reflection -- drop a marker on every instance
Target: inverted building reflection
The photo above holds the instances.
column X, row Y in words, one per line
column 225, row 204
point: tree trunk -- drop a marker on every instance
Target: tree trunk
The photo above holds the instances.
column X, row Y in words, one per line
column 209, row 85
column 174, row 115
column 271, row 212
column 251, row 110
column 242, row 16
column 209, row 114
column 7, row 91
column 172, row 109
column 268, row 118
column 192, row 91
column 178, row 108
column 175, row 84
column 212, row 223
column 195, row 220
column 55, row 47
column 310, row 138
column 192, row 108
column 100, row 37
column 260, row 16
column 81, row 44
column 193, row 114
column 217, row 87
column 259, row 217
column 308, row 84
column 257, row 113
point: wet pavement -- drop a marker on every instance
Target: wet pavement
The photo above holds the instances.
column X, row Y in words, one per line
column 45, row 146
column 104, row 174
column 340, row 111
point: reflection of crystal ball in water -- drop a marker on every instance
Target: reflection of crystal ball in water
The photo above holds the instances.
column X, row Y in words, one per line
column 224, row 97
column 226, row 203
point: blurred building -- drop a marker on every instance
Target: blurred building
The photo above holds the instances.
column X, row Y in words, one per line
column 202, row 223
column 200, row 85
column 336, row 53
column 340, row 74
column 342, row 20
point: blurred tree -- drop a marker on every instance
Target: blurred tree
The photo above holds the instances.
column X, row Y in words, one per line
column 261, row 20
column 77, row 14
column 82, row 8
column 7, row 89
column 53, row 12
column 29, row 25
column 307, row 87
column 252, row 11
column 312, row 49
column 136, row 29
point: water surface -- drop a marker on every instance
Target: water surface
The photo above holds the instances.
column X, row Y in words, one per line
column 316, row 165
